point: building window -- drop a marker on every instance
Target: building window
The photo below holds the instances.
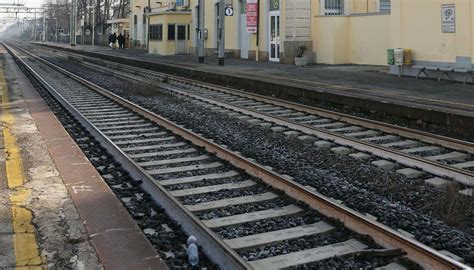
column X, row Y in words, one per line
column 385, row 6
column 171, row 32
column 333, row 7
column 156, row 32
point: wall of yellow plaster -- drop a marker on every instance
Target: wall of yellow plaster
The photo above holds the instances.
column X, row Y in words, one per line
column 331, row 39
column 472, row 33
column 351, row 39
column 417, row 25
column 232, row 24
column 363, row 6
column 370, row 39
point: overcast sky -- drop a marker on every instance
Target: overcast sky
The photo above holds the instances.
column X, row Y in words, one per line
column 8, row 18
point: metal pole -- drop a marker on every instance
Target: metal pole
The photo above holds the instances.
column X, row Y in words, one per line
column 221, row 54
column 44, row 26
column 74, row 21
column 57, row 29
column 147, row 19
column 201, row 52
column 93, row 24
column 70, row 23
column 34, row 28
column 82, row 31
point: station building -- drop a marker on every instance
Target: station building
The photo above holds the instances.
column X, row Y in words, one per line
column 281, row 27
column 161, row 27
column 333, row 31
column 285, row 25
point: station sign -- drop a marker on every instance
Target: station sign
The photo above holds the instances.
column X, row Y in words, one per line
column 448, row 18
column 274, row 5
column 252, row 16
column 229, row 10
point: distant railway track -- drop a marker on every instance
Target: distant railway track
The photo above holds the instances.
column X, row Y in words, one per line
column 173, row 163
column 434, row 154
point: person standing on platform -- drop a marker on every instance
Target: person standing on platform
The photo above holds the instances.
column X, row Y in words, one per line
column 112, row 41
column 121, row 41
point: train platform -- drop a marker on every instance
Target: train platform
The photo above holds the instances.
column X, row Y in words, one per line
column 56, row 212
column 369, row 89
column 370, row 82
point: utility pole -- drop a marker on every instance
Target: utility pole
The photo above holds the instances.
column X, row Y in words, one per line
column 147, row 29
column 93, row 23
column 34, row 28
column 56, row 34
column 73, row 23
column 70, row 26
column 44, row 27
column 82, row 29
column 221, row 54
column 201, row 30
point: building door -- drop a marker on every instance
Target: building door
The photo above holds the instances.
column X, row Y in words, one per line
column 181, row 39
column 244, row 35
column 274, row 36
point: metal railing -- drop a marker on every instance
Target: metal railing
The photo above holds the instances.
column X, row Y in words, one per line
column 333, row 7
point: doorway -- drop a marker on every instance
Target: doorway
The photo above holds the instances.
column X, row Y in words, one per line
column 181, row 39
column 274, row 36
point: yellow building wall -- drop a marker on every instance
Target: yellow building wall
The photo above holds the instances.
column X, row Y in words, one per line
column 331, row 39
column 472, row 33
column 232, row 24
column 363, row 6
column 360, row 39
column 416, row 25
column 370, row 39
column 168, row 47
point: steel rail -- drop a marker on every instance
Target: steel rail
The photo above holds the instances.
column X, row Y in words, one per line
column 213, row 246
column 427, row 137
column 436, row 168
column 439, row 169
column 355, row 221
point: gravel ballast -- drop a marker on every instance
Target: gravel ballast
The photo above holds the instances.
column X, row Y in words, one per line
column 396, row 201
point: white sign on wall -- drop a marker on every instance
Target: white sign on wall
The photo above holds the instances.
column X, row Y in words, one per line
column 448, row 18
column 229, row 10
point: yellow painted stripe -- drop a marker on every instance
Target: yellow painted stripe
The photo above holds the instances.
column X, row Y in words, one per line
column 27, row 254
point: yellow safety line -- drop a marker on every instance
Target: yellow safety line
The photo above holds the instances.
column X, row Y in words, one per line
column 27, row 255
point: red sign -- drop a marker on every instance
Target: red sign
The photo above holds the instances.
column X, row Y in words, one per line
column 252, row 16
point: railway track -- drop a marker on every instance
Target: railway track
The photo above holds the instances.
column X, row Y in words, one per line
column 227, row 201
column 416, row 151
